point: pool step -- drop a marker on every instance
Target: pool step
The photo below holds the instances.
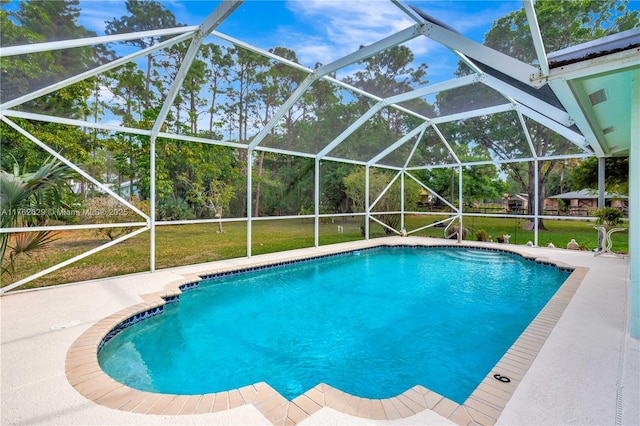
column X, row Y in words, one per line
column 477, row 255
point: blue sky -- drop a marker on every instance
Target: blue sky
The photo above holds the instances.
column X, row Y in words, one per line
column 325, row 30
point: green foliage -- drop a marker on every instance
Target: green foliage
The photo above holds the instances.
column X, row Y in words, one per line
column 616, row 172
column 562, row 23
column 609, row 216
column 30, row 199
column 482, row 235
column 174, row 209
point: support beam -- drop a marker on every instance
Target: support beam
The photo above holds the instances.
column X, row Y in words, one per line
column 420, row 129
column 527, row 135
column 370, row 50
column 373, row 97
column 316, row 201
column 538, row 44
column 70, row 261
column 433, row 88
column 532, row 102
column 506, row 64
column 152, row 204
column 446, row 144
column 438, row 196
column 573, row 137
column 536, row 197
column 474, row 113
column 26, row 49
column 71, row 165
column 402, row 197
column 288, row 104
column 210, row 23
column 91, row 73
column 413, row 150
column 601, row 183
column 77, row 123
column 359, row 55
column 408, row 10
column 634, row 209
column 352, row 128
column 262, row 52
column 249, row 199
column 460, row 205
column 386, row 188
column 565, row 91
column 366, row 202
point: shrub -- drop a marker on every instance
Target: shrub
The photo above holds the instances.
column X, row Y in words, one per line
column 105, row 209
column 609, row 216
column 174, row 209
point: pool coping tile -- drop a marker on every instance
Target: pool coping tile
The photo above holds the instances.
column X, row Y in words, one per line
column 482, row 407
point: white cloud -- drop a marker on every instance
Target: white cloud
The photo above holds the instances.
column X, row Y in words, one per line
column 94, row 14
column 339, row 28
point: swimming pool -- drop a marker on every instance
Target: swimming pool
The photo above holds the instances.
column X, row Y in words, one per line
column 374, row 332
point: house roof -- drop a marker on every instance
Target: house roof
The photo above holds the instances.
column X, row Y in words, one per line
column 585, row 194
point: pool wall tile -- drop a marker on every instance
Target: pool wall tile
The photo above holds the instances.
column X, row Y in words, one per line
column 483, row 406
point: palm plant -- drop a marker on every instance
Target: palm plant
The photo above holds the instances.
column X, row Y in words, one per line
column 30, row 199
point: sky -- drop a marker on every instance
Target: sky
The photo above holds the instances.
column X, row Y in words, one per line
column 321, row 31
column 325, row 30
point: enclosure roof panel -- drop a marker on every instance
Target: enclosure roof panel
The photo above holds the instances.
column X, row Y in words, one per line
column 603, row 46
column 594, row 82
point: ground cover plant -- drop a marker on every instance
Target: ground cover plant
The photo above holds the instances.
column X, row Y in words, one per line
column 179, row 245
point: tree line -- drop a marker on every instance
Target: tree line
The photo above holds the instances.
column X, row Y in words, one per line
column 230, row 93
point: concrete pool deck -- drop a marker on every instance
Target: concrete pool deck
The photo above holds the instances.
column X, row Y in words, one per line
column 585, row 373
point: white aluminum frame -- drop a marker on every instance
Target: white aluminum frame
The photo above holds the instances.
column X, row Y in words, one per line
column 467, row 50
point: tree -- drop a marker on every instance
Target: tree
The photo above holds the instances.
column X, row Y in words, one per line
column 616, row 172
column 39, row 21
column 217, row 73
column 143, row 16
column 562, row 24
column 30, row 199
column 21, row 73
column 242, row 98
column 391, row 73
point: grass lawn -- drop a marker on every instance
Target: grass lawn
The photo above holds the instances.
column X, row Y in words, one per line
column 189, row 244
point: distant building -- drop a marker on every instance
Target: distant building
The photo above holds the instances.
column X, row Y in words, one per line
column 583, row 202
column 517, row 203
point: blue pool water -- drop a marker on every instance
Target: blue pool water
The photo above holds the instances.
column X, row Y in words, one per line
column 373, row 325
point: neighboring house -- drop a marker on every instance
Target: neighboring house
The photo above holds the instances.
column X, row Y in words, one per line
column 583, row 202
column 124, row 190
column 425, row 198
column 517, row 203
